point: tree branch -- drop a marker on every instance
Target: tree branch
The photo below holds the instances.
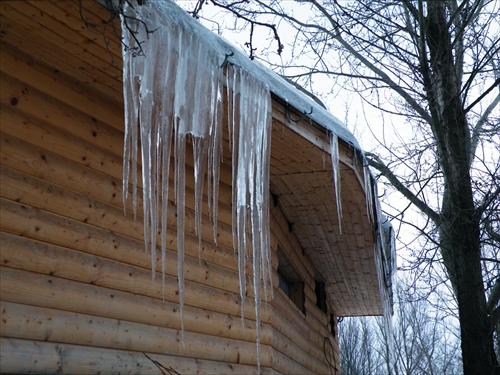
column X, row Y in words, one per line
column 253, row 23
column 492, row 260
column 375, row 162
column 495, row 236
column 495, row 316
column 486, row 92
column 361, row 58
column 489, row 197
column 488, row 58
column 381, row 75
column 480, row 123
column 493, row 302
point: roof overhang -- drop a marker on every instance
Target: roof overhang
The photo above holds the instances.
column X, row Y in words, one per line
column 348, row 256
column 356, row 263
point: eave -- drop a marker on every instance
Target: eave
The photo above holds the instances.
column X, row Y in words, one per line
column 302, row 180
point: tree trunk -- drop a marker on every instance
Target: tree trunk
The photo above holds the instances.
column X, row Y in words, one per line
column 461, row 256
column 459, row 227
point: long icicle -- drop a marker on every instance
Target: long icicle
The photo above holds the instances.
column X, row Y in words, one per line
column 177, row 70
column 132, row 73
column 166, row 120
column 251, row 141
column 334, row 153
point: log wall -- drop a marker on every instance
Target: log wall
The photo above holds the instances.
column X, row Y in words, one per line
column 76, row 289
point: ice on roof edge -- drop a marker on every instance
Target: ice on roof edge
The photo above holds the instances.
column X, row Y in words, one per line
column 276, row 84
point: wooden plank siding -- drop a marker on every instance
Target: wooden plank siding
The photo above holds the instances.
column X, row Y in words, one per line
column 76, row 289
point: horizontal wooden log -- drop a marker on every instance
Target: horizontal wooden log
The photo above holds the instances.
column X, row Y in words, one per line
column 43, row 324
column 64, row 63
column 94, row 13
column 312, row 358
column 30, row 288
column 56, row 36
column 217, row 267
column 41, row 194
column 58, row 142
column 40, row 357
column 82, row 152
column 38, row 104
column 18, row 249
column 318, row 319
column 26, row 287
column 82, row 149
column 66, row 167
column 32, row 105
column 32, row 160
column 287, row 365
column 295, row 328
column 68, row 265
column 67, row 24
column 99, row 160
column 116, row 275
column 50, row 125
column 82, row 208
column 19, row 155
column 62, row 89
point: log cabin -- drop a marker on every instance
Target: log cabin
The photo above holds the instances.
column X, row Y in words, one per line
column 76, row 291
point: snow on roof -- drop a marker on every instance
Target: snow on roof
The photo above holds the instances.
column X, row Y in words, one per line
column 276, row 84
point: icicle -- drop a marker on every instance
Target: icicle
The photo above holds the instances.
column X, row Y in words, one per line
column 129, row 116
column 251, row 152
column 381, row 263
column 132, row 70
column 263, row 183
column 240, row 184
column 156, row 100
column 183, row 89
column 233, row 89
column 166, row 119
column 173, row 94
column 146, row 100
column 256, row 222
column 165, row 144
column 200, row 151
column 334, row 152
column 368, row 193
column 215, row 154
column 180, row 178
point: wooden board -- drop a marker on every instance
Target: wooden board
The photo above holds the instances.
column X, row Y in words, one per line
column 30, row 356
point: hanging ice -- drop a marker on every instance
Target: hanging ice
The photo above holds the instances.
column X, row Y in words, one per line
column 334, row 152
column 173, row 90
column 367, row 177
column 251, row 143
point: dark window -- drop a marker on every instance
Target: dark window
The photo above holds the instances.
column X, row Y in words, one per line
column 290, row 281
column 321, row 296
column 284, row 286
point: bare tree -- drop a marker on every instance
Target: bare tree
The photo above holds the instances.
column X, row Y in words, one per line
column 420, row 340
column 423, row 338
column 436, row 65
column 358, row 347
